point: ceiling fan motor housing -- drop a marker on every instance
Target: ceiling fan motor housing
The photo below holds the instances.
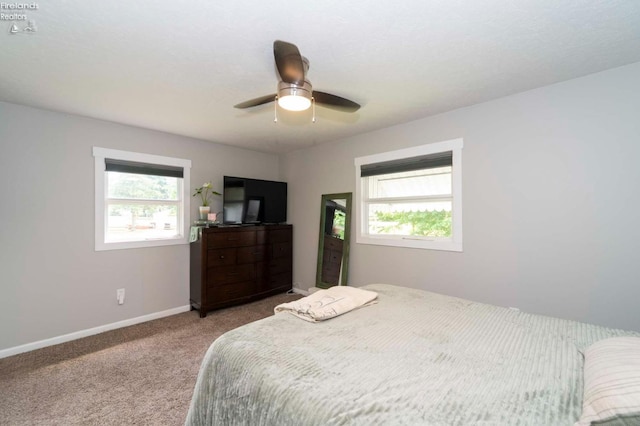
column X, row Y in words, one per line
column 293, row 96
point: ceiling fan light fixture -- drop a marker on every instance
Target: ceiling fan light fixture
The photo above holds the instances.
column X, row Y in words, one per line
column 293, row 97
column 294, row 103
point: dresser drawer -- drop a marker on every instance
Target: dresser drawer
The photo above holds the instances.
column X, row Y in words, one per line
column 279, row 280
column 331, row 256
column 232, row 291
column 230, row 274
column 333, row 243
column 330, row 274
column 251, row 254
column 280, row 235
column 231, row 239
column 221, row 257
column 278, row 266
column 281, row 250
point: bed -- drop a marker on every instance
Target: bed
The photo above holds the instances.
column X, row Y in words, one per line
column 413, row 358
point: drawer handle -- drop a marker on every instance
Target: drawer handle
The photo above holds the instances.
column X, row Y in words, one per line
column 231, row 239
column 221, row 257
column 233, row 273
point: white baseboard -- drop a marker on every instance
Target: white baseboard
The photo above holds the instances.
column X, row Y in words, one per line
column 300, row 291
column 90, row 332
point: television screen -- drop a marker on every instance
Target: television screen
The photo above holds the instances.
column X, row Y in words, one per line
column 254, row 201
column 253, row 211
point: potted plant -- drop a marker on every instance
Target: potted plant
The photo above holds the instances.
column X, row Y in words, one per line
column 205, row 192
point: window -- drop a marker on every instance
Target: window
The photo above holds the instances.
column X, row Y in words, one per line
column 411, row 197
column 141, row 199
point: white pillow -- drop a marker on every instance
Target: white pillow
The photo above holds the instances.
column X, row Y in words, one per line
column 612, row 383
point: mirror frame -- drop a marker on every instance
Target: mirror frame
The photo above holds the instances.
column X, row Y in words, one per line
column 347, row 239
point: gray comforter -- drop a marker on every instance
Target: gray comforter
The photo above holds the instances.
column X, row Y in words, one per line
column 414, row 358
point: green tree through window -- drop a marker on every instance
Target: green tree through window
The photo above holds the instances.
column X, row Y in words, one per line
column 420, row 223
column 142, row 187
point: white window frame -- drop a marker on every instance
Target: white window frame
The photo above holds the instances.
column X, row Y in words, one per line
column 100, row 154
column 449, row 244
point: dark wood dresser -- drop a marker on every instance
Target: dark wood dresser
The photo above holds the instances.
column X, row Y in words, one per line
column 233, row 265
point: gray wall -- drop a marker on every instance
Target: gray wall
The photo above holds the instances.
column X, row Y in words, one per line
column 52, row 280
column 550, row 188
column 550, row 202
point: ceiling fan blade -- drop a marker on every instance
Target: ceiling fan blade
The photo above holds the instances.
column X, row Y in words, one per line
column 335, row 102
column 256, row 101
column 289, row 62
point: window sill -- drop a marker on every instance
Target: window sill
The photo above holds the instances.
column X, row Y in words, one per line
column 100, row 246
column 408, row 242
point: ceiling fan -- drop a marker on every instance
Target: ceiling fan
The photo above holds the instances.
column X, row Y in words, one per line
column 295, row 92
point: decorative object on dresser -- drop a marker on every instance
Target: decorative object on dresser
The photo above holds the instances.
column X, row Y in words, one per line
column 237, row 264
column 204, row 212
column 205, row 192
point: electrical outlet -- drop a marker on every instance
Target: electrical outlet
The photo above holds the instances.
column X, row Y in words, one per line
column 120, row 296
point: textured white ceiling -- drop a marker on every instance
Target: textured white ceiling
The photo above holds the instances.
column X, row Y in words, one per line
column 180, row 67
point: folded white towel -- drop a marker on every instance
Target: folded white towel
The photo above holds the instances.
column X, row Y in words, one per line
column 329, row 303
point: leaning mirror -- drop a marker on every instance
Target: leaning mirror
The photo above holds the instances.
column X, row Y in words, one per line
column 333, row 244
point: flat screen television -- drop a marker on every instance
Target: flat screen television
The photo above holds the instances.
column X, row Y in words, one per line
column 254, row 201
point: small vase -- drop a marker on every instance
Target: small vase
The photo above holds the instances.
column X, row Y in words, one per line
column 204, row 212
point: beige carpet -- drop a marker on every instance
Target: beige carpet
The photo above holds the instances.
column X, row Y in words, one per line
column 139, row 375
